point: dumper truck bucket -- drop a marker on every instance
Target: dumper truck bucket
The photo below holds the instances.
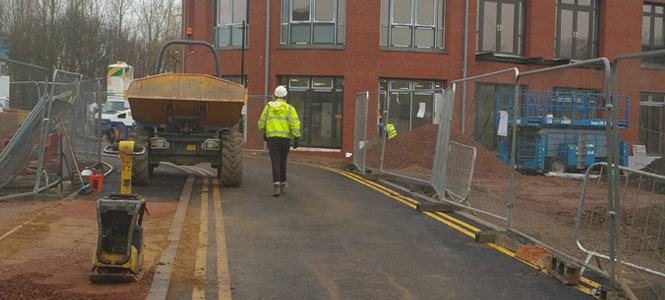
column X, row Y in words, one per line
column 186, row 98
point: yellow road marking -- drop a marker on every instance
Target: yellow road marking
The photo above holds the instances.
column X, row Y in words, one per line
column 204, row 171
column 223, row 274
column 450, row 224
column 202, row 251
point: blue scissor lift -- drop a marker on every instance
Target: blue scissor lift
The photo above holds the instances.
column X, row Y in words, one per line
column 558, row 131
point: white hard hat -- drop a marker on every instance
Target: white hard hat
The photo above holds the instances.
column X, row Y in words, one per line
column 280, row 92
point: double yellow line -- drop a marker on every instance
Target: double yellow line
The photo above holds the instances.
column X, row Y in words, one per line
column 223, row 275
column 461, row 226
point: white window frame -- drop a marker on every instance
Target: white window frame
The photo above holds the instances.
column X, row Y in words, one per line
column 231, row 26
column 338, row 23
column 439, row 32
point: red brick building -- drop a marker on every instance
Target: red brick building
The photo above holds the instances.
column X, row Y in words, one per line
column 327, row 51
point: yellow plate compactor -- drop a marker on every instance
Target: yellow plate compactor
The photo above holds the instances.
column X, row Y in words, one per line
column 119, row 253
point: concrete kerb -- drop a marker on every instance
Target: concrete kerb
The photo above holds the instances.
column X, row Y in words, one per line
column 424, row 198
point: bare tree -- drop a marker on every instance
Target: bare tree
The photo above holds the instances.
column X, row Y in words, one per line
column 158, row 22
column 87, row 35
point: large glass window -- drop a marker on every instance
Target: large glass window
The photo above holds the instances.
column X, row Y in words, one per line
column 500, row 26
column 319, row 103
column 577, row 29
column 653, row 31
column 313, row 21
column 229, row 17
column 412, row 23
column 652, row 116
column 411, row 102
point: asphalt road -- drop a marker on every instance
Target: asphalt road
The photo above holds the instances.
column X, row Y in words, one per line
column 328, row 237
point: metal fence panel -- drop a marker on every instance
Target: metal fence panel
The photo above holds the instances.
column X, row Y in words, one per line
column 550, row 116
column 641, row 250
column 459, row 171
column 439, row 168
column 22, row 120
column 33, row 156
column 374, row 137
column 412, row 114
column 360, row 130
column 471, row 125
column 638, row 237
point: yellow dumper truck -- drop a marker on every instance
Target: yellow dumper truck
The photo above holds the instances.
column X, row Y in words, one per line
column 187, row 119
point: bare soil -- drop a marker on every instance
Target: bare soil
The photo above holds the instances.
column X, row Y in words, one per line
column 49, row 256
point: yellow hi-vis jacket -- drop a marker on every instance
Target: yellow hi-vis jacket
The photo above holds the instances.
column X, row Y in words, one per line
column 279, row 119
column 392, row 132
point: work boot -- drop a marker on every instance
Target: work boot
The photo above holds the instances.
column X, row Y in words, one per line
column 283, row 187
column 276, row 189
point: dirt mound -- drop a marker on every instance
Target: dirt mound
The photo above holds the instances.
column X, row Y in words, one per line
column 487, row 164
column 414, row 150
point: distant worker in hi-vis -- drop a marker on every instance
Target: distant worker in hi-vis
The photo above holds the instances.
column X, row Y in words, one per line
column 391, row 132
column 279, row 123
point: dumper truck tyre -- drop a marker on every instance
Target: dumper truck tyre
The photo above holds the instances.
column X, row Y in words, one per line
column 230, row 168
column 112, row 135
column 141, row 163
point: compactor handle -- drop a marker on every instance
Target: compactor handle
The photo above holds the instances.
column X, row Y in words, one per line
column 114, row 149
column 185, row 42
column 111, row 149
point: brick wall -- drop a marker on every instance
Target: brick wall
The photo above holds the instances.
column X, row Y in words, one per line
column 362, row 62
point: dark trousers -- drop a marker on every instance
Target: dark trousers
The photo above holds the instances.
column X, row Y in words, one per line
column 278, row 148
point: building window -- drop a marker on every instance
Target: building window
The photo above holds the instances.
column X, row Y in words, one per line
column 229, row 17
column 319, row 103
column 411, row 102
column 500, row 26
column 412, row 23
column 235, row 78
column 309, row 22
column 652, row 116
column 577, row 29
column 653, row 31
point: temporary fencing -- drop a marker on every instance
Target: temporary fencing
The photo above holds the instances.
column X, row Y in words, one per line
column 635, row 253
column 470, row 110
column 461, row 162
column 635, row 195
column 565, row 118
column 556, row 116
column 369, row 144
column 34, row 155
column 360, row 131
column 414, row 152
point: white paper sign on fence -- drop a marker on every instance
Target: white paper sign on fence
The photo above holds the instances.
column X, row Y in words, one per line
column 421, row 110
column 503, row 123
